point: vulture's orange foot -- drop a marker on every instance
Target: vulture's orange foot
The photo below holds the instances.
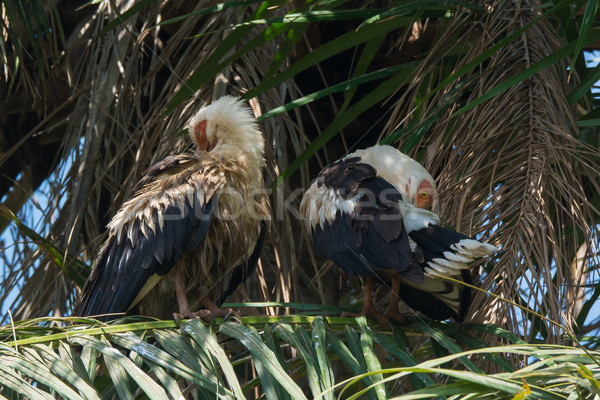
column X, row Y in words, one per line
column 208, row 315
column 397, row 317
column 226, row 313
column 369, row 312
column 204, row 315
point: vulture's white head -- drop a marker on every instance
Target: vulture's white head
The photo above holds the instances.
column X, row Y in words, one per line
column 228, row 128
column 412, row 180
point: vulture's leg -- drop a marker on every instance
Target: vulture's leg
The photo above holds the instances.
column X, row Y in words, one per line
column 208, row 314
column 368, row 309
column 218, row 312
column 185, row 312
column 392, row 312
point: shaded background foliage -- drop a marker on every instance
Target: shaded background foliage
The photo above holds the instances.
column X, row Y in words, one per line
column 492, row 97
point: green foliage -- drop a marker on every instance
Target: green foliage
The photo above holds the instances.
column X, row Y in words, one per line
column 337, row 358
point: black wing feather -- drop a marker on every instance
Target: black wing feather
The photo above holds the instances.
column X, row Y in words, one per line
column 434, row 240
column 373, row 237
column 123, row 268
column 432, row 306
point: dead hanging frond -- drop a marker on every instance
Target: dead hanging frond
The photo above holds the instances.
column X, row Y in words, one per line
column 126, row 78
column 513, row 168
column 31, row 49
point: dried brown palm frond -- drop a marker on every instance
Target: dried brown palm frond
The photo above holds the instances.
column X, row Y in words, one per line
column 513, row 170
column 35, row 95
column 117, row 129
column 30, row 42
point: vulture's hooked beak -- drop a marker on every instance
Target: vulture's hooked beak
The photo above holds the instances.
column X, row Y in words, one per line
column 201, row 138
column 200, row 135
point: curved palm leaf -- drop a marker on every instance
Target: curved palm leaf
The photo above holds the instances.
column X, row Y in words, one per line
column 339, row 357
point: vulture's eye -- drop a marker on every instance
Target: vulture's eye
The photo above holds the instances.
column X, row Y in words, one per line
column 424, row 195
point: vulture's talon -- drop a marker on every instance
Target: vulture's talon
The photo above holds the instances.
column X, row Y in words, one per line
column 397, row 318
column 369, row 313
column 235, row 315
column 203, row 315
column 177, row 318
column 229, row 314
column 347, row 314
column 206, row 316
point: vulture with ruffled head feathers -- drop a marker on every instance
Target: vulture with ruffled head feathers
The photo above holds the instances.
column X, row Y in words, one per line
column 194, row 228
column 371, row 214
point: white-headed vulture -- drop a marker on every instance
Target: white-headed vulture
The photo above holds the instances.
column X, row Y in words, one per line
column 370, row 213
column 194, row 228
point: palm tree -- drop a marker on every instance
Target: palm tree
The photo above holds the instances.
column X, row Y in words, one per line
column 492, row 97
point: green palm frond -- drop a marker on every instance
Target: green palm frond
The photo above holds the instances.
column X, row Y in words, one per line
column 337, row 357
